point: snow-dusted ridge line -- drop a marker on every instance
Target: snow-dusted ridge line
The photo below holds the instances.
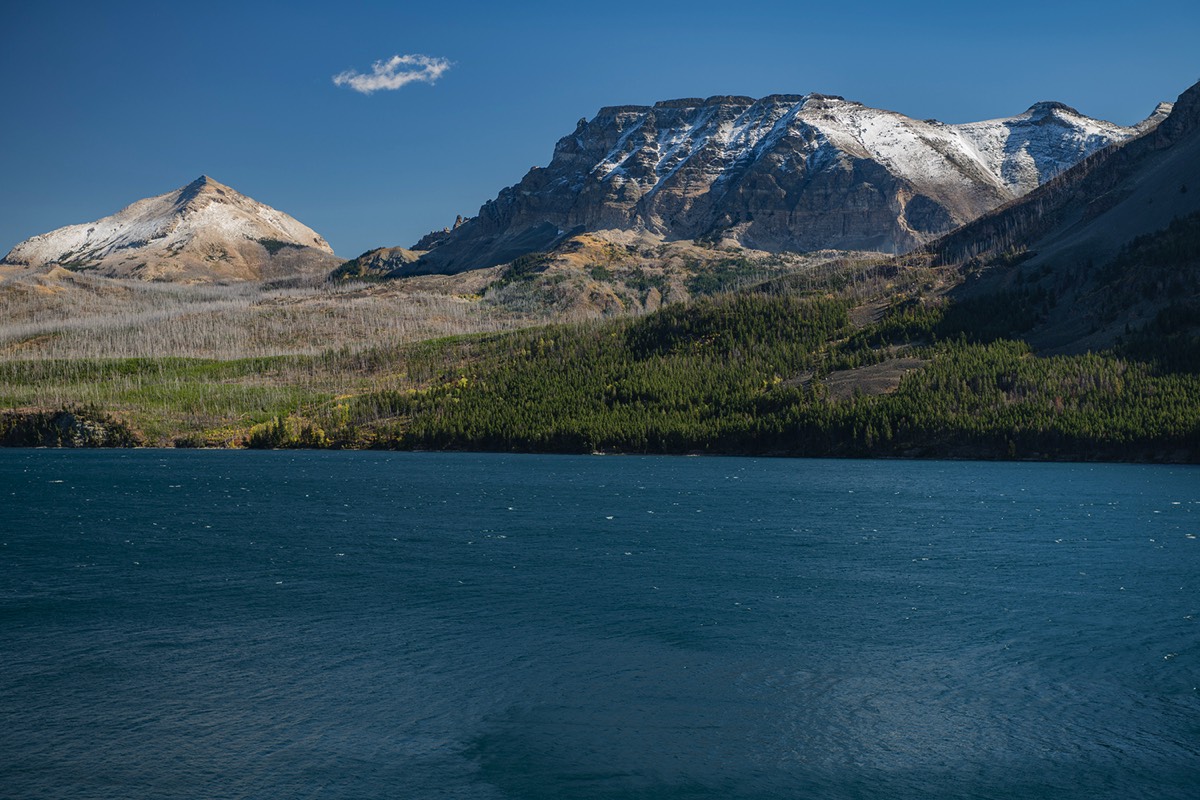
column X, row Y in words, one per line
column 1017, row 153
column 779, row 173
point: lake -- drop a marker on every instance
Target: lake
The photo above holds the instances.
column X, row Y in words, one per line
column 406, row 625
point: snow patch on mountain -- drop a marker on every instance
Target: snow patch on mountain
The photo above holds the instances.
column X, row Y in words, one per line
column 783, row 172
column 1016, row 153
column 1031, row 148
column 202, row 227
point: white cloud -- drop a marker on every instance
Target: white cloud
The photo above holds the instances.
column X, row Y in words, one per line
column 397, row 71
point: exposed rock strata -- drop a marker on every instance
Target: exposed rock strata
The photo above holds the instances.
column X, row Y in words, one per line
column 786, row 172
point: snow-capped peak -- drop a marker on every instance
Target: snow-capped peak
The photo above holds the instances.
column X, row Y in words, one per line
column 201, row 228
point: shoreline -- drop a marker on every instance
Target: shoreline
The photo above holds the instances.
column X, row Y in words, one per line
column 1185, row 460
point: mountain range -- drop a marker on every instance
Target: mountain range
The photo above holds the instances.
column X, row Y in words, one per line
column 783, row 173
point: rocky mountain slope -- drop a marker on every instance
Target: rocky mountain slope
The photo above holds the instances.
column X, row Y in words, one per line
column 1102, row 248
column 782, row 173
column 203, row 232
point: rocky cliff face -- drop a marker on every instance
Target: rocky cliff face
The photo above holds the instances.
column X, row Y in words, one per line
column 785, row 172
column 203, row 232
column 434, row 238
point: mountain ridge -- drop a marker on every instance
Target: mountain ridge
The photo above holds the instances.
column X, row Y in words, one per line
column 1065, row 238
column 783, row 172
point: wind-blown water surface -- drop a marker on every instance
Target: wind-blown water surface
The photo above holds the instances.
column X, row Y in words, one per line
column 361, row 625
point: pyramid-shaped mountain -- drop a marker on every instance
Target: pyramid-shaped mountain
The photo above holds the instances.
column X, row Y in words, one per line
column 202, row 232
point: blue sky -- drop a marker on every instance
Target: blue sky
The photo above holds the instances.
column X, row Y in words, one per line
column 106, row 103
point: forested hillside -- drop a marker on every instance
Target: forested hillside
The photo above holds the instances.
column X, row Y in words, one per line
column 747, row 374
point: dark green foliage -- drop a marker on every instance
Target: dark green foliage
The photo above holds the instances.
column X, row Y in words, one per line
column 268, row 436
column 524, row 267
column 1171, row 340
column 729, row 325
column 1160, row 265
column 999, row 400
column 666, row 383
column 995, row 316
column 729, row 374
column 282, row 432
column 1173, row 247
column 904, row 321
column 914, row 321
column 722, row 276
column 357, row 269
column 642, row 282
column 721, row 376
column 275, row 245
column 68, row 427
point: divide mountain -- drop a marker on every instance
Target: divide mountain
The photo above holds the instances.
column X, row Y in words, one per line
column 200, row 233
column 783, row 173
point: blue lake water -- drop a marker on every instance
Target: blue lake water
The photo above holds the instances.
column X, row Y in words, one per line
column 370, row 625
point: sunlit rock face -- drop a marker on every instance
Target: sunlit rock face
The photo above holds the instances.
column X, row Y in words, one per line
column 202, row 232
column 785, row 172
